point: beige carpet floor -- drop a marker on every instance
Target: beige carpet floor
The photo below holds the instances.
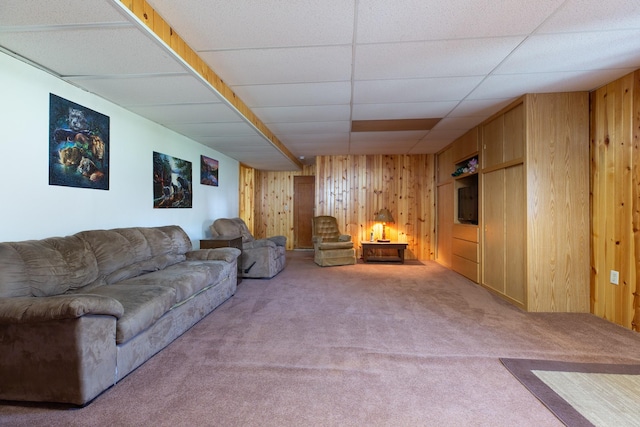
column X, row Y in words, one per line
column 361, row 345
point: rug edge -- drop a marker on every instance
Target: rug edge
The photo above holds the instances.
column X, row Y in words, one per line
column 522, row 370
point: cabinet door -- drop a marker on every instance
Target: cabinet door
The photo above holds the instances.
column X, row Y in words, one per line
column 445, row 165
column 492, row 137
column 493, row 220
column 445, row 224
column 513, row 144
column 515, row 233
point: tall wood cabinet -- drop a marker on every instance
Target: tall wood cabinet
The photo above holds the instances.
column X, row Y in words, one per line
column 535, row 202
column 533, row 232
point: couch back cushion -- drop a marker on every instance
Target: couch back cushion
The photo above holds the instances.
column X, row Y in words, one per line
column 45, row 267
column 123, row 253
column 232, row 227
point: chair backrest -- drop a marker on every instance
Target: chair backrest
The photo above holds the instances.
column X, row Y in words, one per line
column 231, row 227
column 326, row 227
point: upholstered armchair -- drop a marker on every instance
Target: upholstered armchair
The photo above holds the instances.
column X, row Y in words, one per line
column 330, row 246
column 261, row 258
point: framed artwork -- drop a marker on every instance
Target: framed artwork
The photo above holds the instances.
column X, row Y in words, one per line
column 171, row 182
column 78, row 145
column 208, row 171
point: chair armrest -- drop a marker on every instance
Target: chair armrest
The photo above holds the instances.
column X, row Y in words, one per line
column 41, row 309
column 344, row 238
column 219, row 254
column 261, row 243
column 278, row 240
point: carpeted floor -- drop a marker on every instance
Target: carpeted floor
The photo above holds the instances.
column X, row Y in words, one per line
column 361, row 345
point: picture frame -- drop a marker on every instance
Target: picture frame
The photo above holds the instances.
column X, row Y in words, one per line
column 78, row 145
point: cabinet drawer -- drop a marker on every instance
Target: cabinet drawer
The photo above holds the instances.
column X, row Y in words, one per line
column 468, row 269
column 465, row 232
column 465, row 249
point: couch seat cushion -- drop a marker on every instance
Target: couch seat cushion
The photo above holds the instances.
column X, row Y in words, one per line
column 143, row 306
column 187, row 278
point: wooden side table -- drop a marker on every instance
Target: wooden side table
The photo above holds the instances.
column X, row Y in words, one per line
column 225, row 242
column 369, row 249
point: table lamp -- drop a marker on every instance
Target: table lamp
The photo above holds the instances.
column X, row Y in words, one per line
column 384, row 216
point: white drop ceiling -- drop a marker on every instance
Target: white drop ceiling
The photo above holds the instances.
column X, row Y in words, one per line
column 307, row 68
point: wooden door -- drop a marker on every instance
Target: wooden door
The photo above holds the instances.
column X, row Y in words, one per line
column 515, row 234
column 492, row 139
column 493, row 220
column 304, row 191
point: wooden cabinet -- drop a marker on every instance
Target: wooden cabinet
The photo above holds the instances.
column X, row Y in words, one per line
column 534, row 204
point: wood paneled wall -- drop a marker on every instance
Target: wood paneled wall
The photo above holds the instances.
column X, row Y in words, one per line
column 266, row 201
column 615, row 200
column 351, row 188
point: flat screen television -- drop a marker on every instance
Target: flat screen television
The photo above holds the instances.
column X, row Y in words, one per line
column 468, row 205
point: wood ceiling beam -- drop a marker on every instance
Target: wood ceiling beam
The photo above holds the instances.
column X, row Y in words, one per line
column 158, row 26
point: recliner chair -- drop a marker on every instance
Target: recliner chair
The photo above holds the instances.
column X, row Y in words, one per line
column 330, row 246
column 261, row 258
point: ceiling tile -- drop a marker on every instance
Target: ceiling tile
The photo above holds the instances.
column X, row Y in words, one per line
column 457, row 123
column 320, row 113
column 309, row 127
column 59, row 12
column 403, row 136
column 403, row 110
column 290, row 65
column 187, row 113
column 382, row 21
column 575, row 52
column 282, row 95
column 580, row 15
column 213, row 129
column 265, row 23
column 479, row 107
column 514, row 85
column 441, row 58
column 149, row 90
column 413, row 90
column 106, row 51
column 429, row 146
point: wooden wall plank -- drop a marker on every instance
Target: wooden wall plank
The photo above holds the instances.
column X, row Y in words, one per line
column 614, row 199
column 353, row 188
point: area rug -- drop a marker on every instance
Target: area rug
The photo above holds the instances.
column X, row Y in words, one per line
column 583, row 394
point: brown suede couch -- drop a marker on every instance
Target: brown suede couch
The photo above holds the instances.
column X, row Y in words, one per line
column 78, row 313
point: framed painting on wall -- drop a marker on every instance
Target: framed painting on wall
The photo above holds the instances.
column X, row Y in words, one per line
column 78, row 145
column 208, row 171
column 171, row 182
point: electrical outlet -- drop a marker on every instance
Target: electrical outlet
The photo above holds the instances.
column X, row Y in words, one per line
column 614, row 277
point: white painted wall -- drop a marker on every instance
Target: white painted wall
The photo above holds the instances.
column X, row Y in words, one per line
column 32, row 209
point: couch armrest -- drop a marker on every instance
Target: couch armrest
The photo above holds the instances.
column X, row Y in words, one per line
column 40, row 309
column 219, row 254
column 344, row 238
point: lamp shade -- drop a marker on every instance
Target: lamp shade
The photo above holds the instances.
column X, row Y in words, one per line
column 383, row 215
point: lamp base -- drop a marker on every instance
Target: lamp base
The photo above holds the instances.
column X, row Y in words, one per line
column 383, row 240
